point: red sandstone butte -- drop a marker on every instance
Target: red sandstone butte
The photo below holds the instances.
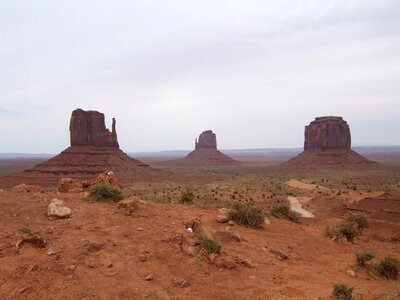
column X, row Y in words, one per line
column 94, row 150
column 206, row 153
column 87, row 128
column 327, row 142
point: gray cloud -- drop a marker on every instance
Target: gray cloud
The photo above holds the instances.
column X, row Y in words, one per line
column 255, row 72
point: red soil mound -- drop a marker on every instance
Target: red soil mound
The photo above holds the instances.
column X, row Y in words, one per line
column 384, row 207
column 329, row 157
column 83, row 162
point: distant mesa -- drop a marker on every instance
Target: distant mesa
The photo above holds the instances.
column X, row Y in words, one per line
column 94, row 149
column 206, row 153
column 327, row 141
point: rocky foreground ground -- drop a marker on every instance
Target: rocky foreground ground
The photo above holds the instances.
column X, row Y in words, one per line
column 108, row 251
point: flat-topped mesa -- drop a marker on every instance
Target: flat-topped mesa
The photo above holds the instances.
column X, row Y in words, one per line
column 207, row 140
column 327, row 133
column 87, row 128
column 328, row 143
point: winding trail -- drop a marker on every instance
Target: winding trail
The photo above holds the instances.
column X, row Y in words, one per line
column 296, row 206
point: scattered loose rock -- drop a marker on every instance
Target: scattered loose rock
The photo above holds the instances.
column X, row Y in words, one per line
column 182, row 283
column 148, row 277
column 71, row 267
column 227, row 236
column 128, row 205
column 23, row 290
column 143, row 258
column 223, row 215
column 279, row 253
column 245, row 262
column 57, row 210
column 225, row 262
column 108, row 177
column 25, row 188
column 190, row 244
column 93, row 246
column 51, row 252
column 66, row 185
column 35, row 239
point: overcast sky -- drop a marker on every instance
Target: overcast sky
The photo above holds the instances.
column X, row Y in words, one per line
column 255, row 72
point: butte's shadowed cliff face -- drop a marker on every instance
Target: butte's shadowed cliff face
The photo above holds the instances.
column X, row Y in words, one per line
column 87, row 128
column 327, row 142
column 207, row 140
column 327, row 133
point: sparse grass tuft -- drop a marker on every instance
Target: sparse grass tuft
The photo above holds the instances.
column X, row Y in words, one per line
column 104, row 191
column 341, row 291
column 210, row 246
column 389, row 267
column 24, row 230
column 283, row 211
column 364, row 256
column 246, row 214
column 149, row 294
column 186, row 198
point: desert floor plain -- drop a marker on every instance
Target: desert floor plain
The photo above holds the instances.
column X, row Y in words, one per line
column 104, row 251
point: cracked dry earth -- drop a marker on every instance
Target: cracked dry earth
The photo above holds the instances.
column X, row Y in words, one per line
column 102, row 252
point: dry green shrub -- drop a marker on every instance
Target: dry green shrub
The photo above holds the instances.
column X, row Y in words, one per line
column 389, row 267
column 361, row 220
column 186, row 198
column 246, row 214
column 350, row 228
column 210, row 246
column 349, row 231
column 104, row 191
column 342, row 291
column 283, row 211
column 364, row 256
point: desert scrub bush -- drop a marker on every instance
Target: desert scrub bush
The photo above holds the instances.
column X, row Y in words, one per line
column 349, row 231
column 342, row 291
column 210, row 246
column 104, row 191
column 361, row 220
column 364, row 256
column 332, row 232
column 246, row 214
column 283, row 211
column 345, row 231
column 186, row 198
column 389, row 267
column 350, row 228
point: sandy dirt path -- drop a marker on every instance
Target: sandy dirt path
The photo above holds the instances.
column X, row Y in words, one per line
column 296, row 206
